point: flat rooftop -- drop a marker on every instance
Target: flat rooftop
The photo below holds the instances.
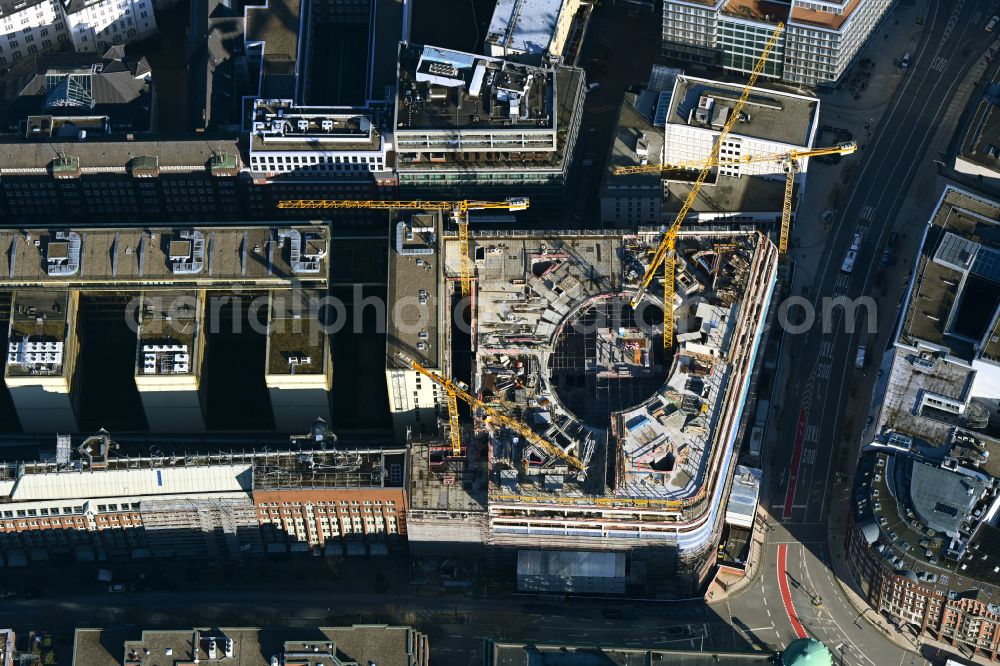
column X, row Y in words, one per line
column 981, row 143
column 275, row 23
column 94, row 470
column 40, row 331
column 361, row 644
column 725, row 196
column 435, row 486
column 169, row 327
column 443, row 89
column 527, row 26
column 279, row 126
column 911, row 377
column 415, row 279
column 206, row 256
column 771, row 115
column 955, row 293
column 116, row 154
column 297, row 342
column 636, row 141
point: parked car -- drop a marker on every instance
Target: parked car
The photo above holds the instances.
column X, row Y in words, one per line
column 991, row 26
column 886, row 258
column 116, row 588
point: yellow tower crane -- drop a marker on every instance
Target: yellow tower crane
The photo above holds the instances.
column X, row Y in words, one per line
column 789, row 161
column 459, row 210
column 456, row 392
column 666, row 248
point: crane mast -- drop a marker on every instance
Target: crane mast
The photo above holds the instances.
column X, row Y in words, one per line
column 666, row 246
column 455, row 391
column 458, row 209
column 460, row 212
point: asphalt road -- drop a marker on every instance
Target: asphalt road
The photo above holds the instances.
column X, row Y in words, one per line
column 826, row 400
column 823, row 367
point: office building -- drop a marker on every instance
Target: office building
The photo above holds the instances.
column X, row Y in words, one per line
column 305, row 126
column 217, row 646
column 979, row 154
column 168, row 272
column 820, row 41
column 531, row 31
column 170, row 357
column 923, row 535
column 42, row 351
column 107, row 499
column 299, row 370
column 772, row 122
column 418, row 325
column 557, row 345
column 476, row 126
column 636, row 199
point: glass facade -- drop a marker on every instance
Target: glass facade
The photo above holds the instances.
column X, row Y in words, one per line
column 742, row 43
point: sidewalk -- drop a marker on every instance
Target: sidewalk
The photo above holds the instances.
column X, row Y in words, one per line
column 727, row 586
column 848, row 586
column 923, row 195
column 827, row 184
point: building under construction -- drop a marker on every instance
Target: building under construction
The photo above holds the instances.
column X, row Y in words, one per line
column 633, row 443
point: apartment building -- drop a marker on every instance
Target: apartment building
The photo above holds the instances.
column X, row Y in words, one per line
column 30, row 28
column 820, row 41
column 110, row 499
column 923, row 535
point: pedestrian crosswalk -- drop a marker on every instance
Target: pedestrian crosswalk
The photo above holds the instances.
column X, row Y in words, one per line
column 939, row 64
column 867, row 213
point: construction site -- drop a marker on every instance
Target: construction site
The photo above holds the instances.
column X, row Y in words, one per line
column 586, row 432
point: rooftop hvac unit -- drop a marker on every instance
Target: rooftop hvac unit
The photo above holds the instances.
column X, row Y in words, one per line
column 326, row 124
column 302, row 124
